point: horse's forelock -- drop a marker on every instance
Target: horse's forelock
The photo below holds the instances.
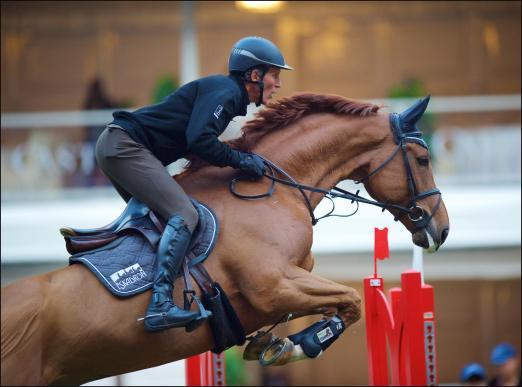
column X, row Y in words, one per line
column 281, row 113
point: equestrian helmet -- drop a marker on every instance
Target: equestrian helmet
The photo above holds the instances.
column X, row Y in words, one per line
column 254, row 51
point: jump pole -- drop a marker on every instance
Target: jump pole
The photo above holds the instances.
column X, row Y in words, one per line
column 405, row 321
column 205, row 369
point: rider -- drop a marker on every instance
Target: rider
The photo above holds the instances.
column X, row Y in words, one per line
column 136, row 146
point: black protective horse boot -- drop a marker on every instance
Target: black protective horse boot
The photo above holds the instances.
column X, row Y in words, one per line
column 162, row 313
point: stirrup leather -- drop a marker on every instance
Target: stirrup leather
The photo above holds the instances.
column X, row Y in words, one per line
column 187, row 302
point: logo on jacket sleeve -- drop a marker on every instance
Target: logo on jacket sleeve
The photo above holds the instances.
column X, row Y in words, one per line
column 218, row 111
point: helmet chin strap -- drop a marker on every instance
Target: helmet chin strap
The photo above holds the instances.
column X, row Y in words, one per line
column 260, row 84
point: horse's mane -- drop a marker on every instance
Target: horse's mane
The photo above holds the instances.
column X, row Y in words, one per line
column 281, row 113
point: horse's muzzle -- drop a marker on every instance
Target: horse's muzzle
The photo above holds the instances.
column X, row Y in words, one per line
column 429, row 238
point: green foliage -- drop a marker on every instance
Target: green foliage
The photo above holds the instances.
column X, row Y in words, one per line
column 408, row 89
column 165, row 85
column 235, row 368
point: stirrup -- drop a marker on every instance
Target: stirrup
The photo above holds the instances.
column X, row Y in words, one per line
column 187, row 302
column 158, row 321
column 203, row 313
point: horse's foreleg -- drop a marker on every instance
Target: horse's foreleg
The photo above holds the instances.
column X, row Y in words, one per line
column 304, row 293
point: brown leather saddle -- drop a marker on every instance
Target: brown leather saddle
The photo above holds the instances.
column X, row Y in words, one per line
column 136, row 217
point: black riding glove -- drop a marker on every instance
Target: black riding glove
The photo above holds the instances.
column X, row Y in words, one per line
column 252, row 164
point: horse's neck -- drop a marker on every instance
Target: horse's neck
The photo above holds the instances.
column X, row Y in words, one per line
column 323, row 149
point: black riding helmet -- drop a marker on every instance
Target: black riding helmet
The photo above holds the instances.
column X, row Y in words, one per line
column 256, row 52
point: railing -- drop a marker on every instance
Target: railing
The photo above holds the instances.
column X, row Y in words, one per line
column 54, row 151
column 478, row 103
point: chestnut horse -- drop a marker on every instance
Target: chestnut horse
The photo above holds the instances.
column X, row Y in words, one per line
column 64, row 327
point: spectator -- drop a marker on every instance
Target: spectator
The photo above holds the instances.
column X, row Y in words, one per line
column 96, row 98
column 473, row 374
column 506, row 362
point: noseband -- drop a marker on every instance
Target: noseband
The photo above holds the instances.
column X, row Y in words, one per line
column 416, row 214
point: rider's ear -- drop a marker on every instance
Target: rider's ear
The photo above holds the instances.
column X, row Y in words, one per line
column 255, row 75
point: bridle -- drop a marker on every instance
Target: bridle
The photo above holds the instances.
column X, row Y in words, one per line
column 415, row 214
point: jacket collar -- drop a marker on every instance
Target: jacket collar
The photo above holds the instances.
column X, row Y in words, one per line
column 244, row 95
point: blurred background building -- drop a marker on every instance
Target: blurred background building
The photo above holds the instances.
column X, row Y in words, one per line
column 67, row 65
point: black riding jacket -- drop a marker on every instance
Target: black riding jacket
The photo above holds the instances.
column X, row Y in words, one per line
column 190, row 120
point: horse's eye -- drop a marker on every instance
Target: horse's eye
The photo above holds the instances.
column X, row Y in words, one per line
column 423, row 160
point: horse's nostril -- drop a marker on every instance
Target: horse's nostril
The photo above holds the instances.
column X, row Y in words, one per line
column 444, row 235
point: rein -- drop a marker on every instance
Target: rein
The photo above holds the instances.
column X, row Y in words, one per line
column 415, row 213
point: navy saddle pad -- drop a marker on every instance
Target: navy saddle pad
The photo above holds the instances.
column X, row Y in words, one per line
column 126, row 266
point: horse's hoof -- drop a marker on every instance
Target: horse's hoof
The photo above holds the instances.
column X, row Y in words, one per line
column 281, row 352
column 258, row 344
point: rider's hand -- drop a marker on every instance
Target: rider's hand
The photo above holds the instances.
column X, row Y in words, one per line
column 252, row 164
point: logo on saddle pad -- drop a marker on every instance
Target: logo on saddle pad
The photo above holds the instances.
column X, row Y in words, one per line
column 128, row 276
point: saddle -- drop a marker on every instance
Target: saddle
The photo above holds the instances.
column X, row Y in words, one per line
column 136, row 217
column 122, row 255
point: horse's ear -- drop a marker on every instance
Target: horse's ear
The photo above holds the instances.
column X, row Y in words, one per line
column 411, row 115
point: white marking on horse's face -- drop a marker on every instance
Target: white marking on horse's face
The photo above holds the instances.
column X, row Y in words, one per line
column 425, row 239
column 431, row 243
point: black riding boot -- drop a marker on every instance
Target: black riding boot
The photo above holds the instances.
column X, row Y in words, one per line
column 162, row 313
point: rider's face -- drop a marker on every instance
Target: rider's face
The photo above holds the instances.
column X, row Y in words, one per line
column 271, row 81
